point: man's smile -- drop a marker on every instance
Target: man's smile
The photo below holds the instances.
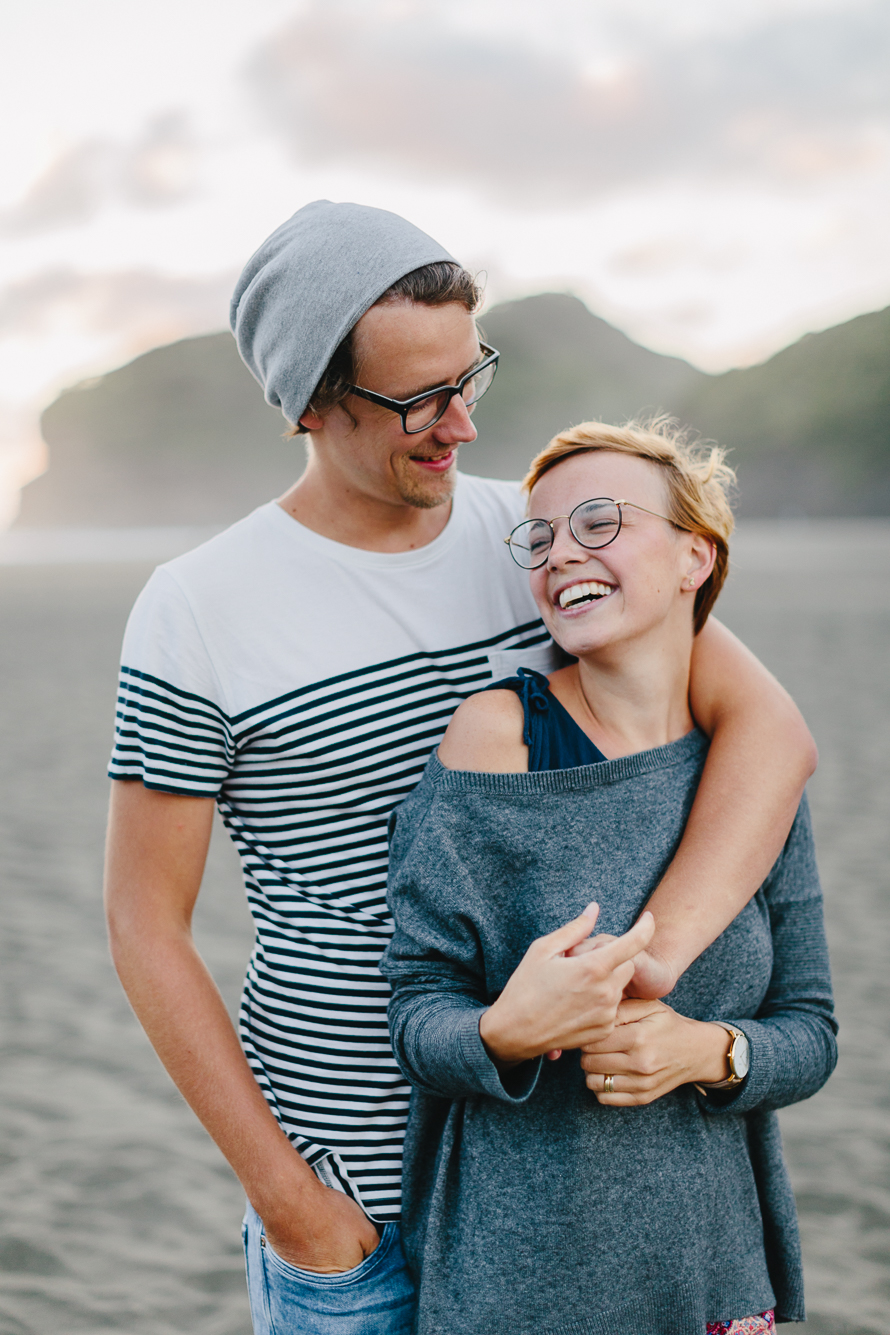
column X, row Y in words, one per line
column 437, row 463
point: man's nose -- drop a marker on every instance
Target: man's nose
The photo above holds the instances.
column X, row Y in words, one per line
column 455, row 426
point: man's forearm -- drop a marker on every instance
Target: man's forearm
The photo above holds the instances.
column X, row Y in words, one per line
column 183, row 1014
column 155, row 857
column 760, row 758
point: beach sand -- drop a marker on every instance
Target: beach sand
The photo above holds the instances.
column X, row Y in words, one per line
column 116, row 1211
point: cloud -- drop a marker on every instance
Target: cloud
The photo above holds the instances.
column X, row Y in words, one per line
column 801, row 95
column 157, row 169
column 68, row 192
column 60, row 325
column 125, row 305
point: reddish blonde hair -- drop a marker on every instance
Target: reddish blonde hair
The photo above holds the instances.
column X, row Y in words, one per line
column 697, row 477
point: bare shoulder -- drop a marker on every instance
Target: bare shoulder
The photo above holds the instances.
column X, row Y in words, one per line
column 485, row 735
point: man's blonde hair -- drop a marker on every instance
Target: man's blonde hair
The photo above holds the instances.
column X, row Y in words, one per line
column 696, row 474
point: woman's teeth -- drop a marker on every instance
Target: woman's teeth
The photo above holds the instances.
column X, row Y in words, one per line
column 583, row 593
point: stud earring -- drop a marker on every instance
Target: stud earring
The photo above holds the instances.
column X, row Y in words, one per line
column 692, row 584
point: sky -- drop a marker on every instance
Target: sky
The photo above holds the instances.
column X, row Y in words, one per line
column 712, row 179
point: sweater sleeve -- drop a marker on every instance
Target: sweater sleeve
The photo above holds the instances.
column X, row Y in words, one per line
column 435, row 965
column 793, row 1033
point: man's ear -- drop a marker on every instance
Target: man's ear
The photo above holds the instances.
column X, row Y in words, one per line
column 311, row 421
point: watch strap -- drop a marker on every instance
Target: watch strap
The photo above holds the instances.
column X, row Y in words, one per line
column 732, row 1079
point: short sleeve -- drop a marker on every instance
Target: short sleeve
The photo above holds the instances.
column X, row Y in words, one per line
column 171, row 728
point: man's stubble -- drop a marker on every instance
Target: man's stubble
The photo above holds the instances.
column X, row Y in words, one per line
column 424, row 492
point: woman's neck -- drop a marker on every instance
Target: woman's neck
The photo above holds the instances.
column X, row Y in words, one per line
column 632, row 698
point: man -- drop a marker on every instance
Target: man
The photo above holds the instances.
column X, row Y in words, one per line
column 297, row 670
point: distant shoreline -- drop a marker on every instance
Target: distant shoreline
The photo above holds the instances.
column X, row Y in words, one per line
column 86, row 546
column 794, row 543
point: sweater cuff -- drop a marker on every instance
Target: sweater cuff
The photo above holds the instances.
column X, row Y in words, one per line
column 759, row 1081
column 515, row 1085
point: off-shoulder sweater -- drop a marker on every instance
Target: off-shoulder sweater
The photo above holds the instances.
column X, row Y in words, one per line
column 529, row 1208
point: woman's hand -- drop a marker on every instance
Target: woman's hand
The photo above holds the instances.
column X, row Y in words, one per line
column 651, row 1051
column 559, row 1000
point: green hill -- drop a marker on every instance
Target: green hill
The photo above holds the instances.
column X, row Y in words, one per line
column 182, row 435
column 810, row 428
column 808, row 431
column 560, row 365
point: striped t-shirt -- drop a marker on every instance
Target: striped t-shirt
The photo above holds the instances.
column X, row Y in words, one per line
column 303, row 684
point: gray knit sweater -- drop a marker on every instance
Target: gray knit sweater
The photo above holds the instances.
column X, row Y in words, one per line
column 528, row 1207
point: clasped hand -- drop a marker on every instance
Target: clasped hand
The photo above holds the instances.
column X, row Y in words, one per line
column 652, row 1050
column 569, row 992
column 558, row 998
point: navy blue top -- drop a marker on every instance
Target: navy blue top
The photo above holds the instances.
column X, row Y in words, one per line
column 552, row 736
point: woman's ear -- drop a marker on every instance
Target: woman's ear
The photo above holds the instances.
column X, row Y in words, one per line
column 702, row 554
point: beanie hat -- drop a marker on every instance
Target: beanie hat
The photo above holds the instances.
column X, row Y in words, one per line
column 309, row 283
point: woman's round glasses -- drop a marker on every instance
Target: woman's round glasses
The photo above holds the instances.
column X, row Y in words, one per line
column 593, row 524
column 422, row 411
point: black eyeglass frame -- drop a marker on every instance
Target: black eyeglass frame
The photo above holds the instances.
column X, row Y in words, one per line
column 404, row 406
column 591, row 548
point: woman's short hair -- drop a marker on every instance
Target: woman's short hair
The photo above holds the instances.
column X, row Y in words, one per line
column 697, row 477
column 436, row 284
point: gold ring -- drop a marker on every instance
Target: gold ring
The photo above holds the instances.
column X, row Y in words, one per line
column 609, row 1084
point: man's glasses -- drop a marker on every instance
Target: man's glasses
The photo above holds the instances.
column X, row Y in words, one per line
column 422, row 411
column 593, row 524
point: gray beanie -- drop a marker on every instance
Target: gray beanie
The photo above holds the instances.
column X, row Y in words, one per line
column 309, row 283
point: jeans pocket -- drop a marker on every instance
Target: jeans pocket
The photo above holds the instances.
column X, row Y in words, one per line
column 359, row 1271
column 257, row 1288
column 375, row 1297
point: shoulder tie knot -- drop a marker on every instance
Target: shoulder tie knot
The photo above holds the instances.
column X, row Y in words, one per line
column 534, row 696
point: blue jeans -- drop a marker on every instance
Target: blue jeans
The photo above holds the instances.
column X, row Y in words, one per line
column 375, row 1298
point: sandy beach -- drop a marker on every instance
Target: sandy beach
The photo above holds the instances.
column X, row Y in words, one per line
column 117, row 1214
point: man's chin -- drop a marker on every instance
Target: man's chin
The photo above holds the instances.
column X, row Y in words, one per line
column 426, row 492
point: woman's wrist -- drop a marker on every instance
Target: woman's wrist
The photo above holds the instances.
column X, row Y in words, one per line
column 495, row 1041
column 712, row 1053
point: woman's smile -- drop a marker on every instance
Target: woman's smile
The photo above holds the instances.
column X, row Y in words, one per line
column 581, row 594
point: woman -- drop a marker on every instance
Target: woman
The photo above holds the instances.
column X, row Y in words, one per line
column 640, row 1188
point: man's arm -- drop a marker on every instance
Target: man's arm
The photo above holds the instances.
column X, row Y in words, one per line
column 157, row 847
column 760, row 758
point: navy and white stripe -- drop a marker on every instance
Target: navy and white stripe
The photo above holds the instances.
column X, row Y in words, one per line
column 306, row 784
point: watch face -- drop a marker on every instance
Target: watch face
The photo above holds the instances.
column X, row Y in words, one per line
column 740, row 1057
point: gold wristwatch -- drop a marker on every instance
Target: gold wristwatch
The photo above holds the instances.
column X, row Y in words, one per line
column 739, row 1058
